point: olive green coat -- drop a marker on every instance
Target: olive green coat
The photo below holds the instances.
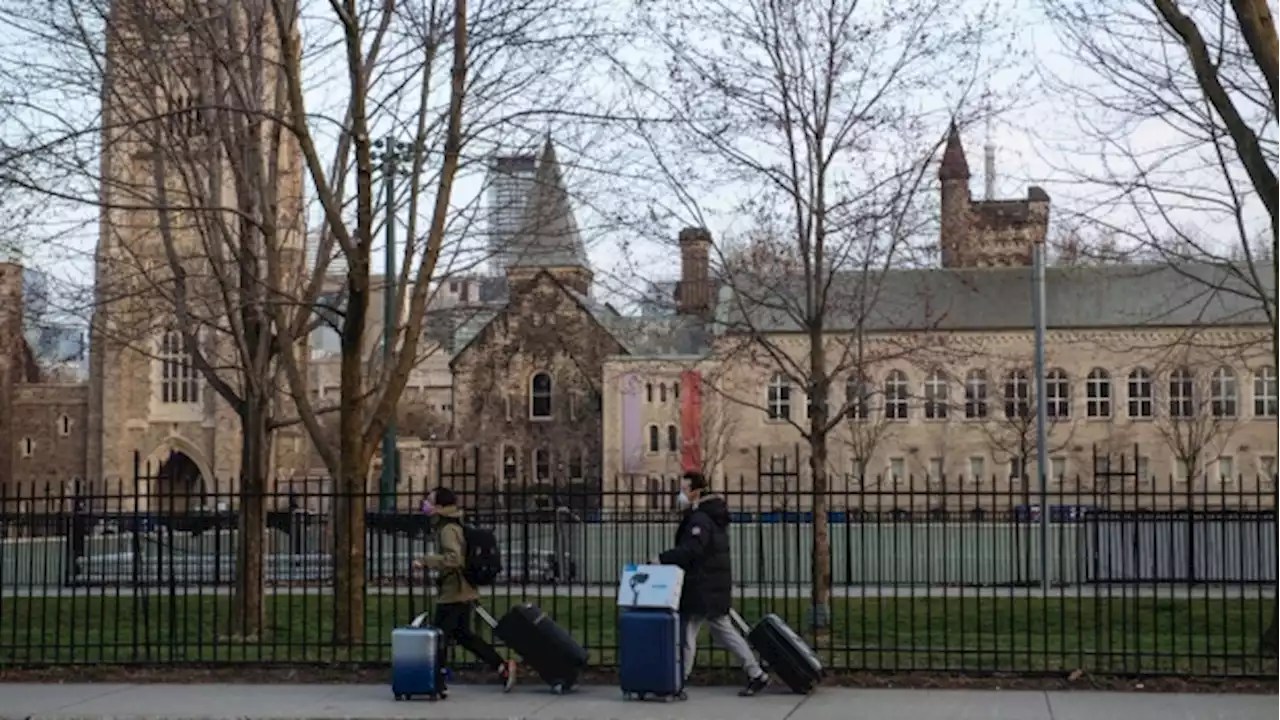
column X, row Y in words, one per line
column 450, row 558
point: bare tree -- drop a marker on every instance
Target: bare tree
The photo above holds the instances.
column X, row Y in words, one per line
column 807, row 118
column 1012, row 415
column 1179, row 110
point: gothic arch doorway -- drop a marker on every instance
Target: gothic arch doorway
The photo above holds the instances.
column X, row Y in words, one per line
column 179, row 484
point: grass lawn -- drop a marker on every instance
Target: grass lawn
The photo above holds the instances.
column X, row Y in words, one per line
column 1199, row 636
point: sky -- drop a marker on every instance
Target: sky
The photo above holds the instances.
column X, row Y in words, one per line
column 1035, row 141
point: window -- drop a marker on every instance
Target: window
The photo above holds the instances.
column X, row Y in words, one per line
column 662, row 392
column 858, row 469
column 1016, row 469
column 897, row 469
column 1223, row 393
column 779, row 398
column 64, row 426
column 1181, row 472
column 975, row 394
column 1140, row 402
column 1097, row 388
column 26, row 447
column 575, row 464
column 1057, row 391
column 936, row 469
column 648, row 392
column 510, row 465
column 1266, row 394
column 675, row 390
column 857, row 392
column 1101, row 466
column 936, row 396
column 655, row 439
column 1182, row 393
column 540, row 396
column 1226, row 469
column 895, row 396
column 542, row 464
column 1143, row 468
column 977, row 468
column 1267, row 466
column 1058, row 469
column 673, row 439
column 178, row 380
column 1017, row 395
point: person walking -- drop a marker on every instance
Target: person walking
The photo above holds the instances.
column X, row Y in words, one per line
column 702, row 551
column 456, row 598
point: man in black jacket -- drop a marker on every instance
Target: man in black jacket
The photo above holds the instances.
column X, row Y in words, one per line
column 702, row 551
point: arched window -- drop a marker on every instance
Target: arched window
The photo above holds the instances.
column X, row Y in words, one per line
column 64, row 425
column 1224, row 393
column 1182, row 393
column 542, row 464
column 675, row 390
column 937, row 396
column 1017, row 395
column 1057, row 390
column 510, row 464
column 975, row 394
column 858, row 391
column 1097, row 389
column 1266, row 393
column 655, row 439
column 673, row 439
column 779, row 398
column 662, row 392
column 648, row 392
column 540, row 396
column 179, row 383
column 1140, row 395
column 896, row 392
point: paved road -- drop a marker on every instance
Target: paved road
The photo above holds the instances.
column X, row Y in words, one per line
column 352, row 702
column 1164, row 592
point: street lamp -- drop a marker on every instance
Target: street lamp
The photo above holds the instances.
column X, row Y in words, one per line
column 390, row 153
column 1042, row 413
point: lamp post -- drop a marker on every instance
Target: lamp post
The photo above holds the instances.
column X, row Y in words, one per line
column 389, row 152
column 1042, row 413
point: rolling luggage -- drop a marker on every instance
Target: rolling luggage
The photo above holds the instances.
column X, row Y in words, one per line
column 548, row 648
column 413, row 660
column 650, row 654
column 783, row 651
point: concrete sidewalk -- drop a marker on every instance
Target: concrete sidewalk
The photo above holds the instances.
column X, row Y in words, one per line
column 374, row 702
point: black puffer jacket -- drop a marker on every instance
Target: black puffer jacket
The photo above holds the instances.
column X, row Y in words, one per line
column 702, row 551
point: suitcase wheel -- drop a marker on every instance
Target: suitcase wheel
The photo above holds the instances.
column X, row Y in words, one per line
column 682, row 696
column 401, row 696
column 433, row 697
column 557, row 689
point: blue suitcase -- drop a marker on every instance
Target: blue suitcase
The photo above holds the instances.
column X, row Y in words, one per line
column 413, row 660
column 650, row 655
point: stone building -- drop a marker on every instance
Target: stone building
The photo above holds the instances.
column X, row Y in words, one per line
column 1168, row 370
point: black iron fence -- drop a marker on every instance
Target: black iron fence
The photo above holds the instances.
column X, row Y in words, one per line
column 1128, row 574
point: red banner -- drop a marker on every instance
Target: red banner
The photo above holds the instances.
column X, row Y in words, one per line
column 691, row 420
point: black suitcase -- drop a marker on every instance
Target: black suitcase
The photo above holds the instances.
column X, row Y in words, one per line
column 784, row 652
column 545, row 646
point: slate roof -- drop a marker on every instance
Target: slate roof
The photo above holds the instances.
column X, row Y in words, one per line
column 548, row 235
column 1000, row 298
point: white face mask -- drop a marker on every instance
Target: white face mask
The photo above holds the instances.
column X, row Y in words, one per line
column 682, row 501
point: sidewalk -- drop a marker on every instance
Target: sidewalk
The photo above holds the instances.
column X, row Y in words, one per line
column 374, row 702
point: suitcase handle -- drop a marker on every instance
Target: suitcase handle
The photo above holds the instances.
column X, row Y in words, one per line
column 419, row 621
column 486, row 617
column 737, row 620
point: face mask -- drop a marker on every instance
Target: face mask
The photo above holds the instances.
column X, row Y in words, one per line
column 682, row 501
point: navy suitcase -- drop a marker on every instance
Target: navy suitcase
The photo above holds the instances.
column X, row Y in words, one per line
column 548, row 648
column 413, row 660
column 650, row 654
column 785, row 653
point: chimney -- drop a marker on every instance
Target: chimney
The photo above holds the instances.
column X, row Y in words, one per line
column 693, row 294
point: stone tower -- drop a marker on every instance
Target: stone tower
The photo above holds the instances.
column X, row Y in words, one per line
column 167, row 109
column 12, row 349
column 693, row 294
column 985, row 233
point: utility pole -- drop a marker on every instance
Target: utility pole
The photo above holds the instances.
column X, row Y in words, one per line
column 389, row 151
column 1042, row 412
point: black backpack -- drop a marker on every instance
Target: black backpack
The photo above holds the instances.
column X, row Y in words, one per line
column 483, row 562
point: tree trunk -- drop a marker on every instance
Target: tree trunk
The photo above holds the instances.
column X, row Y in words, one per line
column 821, row 597
column 255, row 449
column 354, row 454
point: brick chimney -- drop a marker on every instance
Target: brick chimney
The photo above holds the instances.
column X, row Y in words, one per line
column 693, row 294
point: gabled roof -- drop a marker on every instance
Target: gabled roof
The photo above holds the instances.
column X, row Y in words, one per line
column 548, row 235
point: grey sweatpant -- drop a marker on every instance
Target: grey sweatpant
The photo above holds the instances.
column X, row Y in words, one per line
column 724, row 635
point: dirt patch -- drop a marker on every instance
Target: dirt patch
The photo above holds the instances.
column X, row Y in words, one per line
column 339, row 674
